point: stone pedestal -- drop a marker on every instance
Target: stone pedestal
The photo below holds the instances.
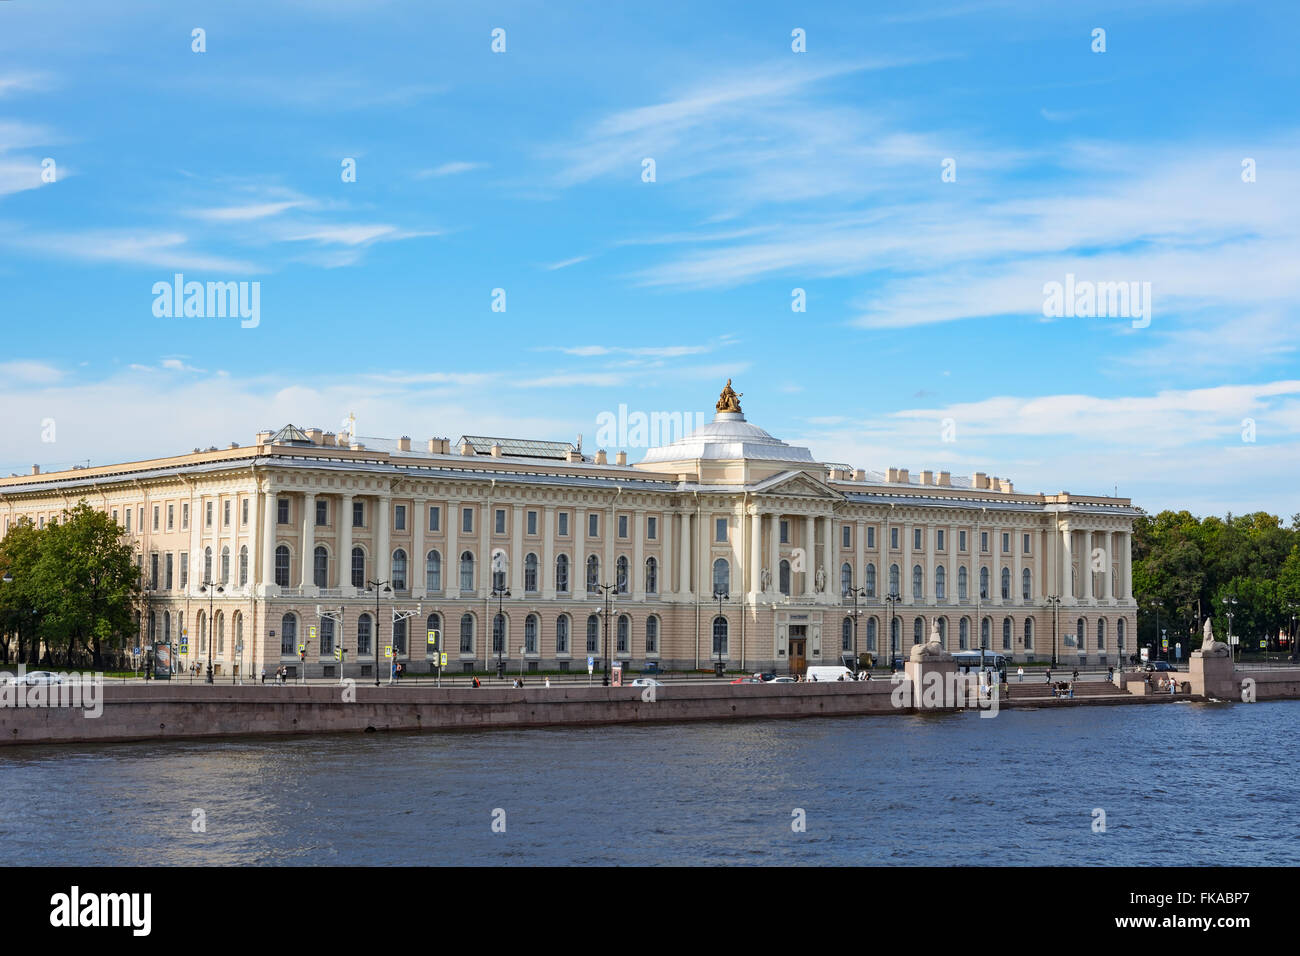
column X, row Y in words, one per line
column 1210, row 673
column 932, row 672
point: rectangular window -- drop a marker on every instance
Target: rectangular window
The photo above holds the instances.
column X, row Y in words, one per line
column 785, row 532
column 871, row 537
column 593, row 525
column 139, row 525
column 282, row 510
column 207, row 514
column 225, row 514
column 157, row 516
column 1026, row 545
column 185, row 569
column 916, row 539
column 984, row 540
column 171, row 517
column 532, row 522
column 358, row 514
column 435, row 518
column 467, row 520
column 893, row 538
column 185, row 515
column 720, row 529
column 846, row 537
column 622, row 526
column 168, row 567
column 500, row 521
column 153, row 570
column 399, row 517
column 322, row 512
column 939, row 539
column 128, row 520
column 652, row 528
column 961, row 540
column 1006, row 542
column 564, row 524
column 243, row 512
column 115, row 515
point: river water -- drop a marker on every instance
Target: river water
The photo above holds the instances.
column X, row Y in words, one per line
column 1179, row 784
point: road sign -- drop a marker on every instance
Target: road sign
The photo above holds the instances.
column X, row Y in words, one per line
column 338, row 653
column 444, row 660
column 311, row 632
column 302, row 648
column 137, row 652
column 591, row 665
column 433, row 638
column 185, row 632
column 185, row 647
column 1164, row 643
column 388, row 650
column 1263, row 645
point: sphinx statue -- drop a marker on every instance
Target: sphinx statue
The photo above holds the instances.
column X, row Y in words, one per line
column 1209, row 646
column 933, row 649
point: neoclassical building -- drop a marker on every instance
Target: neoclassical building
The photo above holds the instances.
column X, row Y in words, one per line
column 726, row 545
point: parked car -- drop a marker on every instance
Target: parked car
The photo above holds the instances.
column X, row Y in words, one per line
column 1160, row 667
column 746, row 680
column 646, row 682
column 39, row 677
column 782, row 680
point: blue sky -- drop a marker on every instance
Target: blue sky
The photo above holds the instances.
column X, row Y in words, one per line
column 774, row 171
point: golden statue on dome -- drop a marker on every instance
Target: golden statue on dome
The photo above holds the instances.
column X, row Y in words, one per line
column 729, row 401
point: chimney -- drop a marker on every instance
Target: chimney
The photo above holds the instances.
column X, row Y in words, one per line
column 439, row 446
column 329, row 439
column 357, row 446
column 859, row 474
column 263, row 436
column 36, row 469
column 600, row 458
column 404, row 443
column 621, row 458
column 573, row 455
column 903, row 479
column 466, row 448
column 945, row 479
column 927, row 477
column 234, row 444
column 981, row 480
column 497, row 451
column 314, row 434
column 891, row 474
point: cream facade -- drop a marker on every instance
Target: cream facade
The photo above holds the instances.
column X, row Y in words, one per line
column 726, row 545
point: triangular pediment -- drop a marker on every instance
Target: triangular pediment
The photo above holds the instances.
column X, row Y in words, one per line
column 798, row 484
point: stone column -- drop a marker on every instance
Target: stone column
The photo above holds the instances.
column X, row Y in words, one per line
column 484, row 581
column 810, row 555
column 860, row 559
column 383, row 546
column 1126, row 557
column 419, row 519
column 684, row 569
column 268, row 544
column 451, row 562
column 995, row 568
column 345, row 542
column 774, row 552
column 309, row 541
column 905, row 569
column 755, row 553
column 828, row 559
column 1109, row 590
column 608, row 565
column 931, row 592
column 1018, row 575
column 1066, row 568
column 252, row 540
column 637, row 584
column 517, row 551
column 547, row 570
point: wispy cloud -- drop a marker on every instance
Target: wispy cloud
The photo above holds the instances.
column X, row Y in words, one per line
column 448, row 169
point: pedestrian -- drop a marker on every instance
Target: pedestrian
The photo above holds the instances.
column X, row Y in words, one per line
column 263, row 673
column 1173, row 686
column 1049, row 675
column 548, row 682
column 1075, row 675
column 1071, row 690
column 1110, row 674
column 1020, row 674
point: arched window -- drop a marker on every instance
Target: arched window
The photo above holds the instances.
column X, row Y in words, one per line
column 593, row 575
column 622, row 578
column 243, row 566
column 358, row 567
column 281, row 565
column 963, row 586
column 289, row 635
column 326, row 636
column 467, row 633
column 593, row 634
column 918, row 582
column 1101, row 634
column 940, row 583
column 530, row 572
column 220, row 630
column 652, row 635
column 986, row 628
column 963, row 634
column 1006, row 633
column 893, row 579
column 498, row 634
column 846, row 635
column 562, row 574
column 466, row 571
column 871, row 580
column 363, row 634
column 846, row 578
column 320, row 567
column 918, row 630
column 433, row 571
column 201, row 624
column 239, row 634
column 399, row 570
column 943, row 632
column 207, row 563
column 433, row 623
column 871, row 634
column 720, row 637
column 530, row 634
column 1029, row 633
column 624, row 633
column 984, row 584
column 399, row 638
column 651, row 576
column 721, row 577
column 1026, row 584
column 562, row 634
column 1006, row 584
column 167, row 627
column 1080, row 635
column 499, row 568
column 225, row 565
column 895, row 634
column 1119, row 636
column 784, row 582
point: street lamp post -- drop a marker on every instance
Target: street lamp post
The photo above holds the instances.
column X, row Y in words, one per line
column 891, row 599
column 375, row 586
column 148, row 631
column 609, row 590
column 1055, row 601
column 721, row 596
column 856, row 592
column 500, row 593
column 1230, row 602
column 211, row 590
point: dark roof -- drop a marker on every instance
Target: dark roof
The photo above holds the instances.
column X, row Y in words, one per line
column 519, row 447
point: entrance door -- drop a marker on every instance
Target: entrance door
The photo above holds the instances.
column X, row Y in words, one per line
column 798, row 649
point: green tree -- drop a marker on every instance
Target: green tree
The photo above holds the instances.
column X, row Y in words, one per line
column 19, row 612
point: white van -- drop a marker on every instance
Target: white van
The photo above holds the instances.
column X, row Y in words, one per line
column 831, row 673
